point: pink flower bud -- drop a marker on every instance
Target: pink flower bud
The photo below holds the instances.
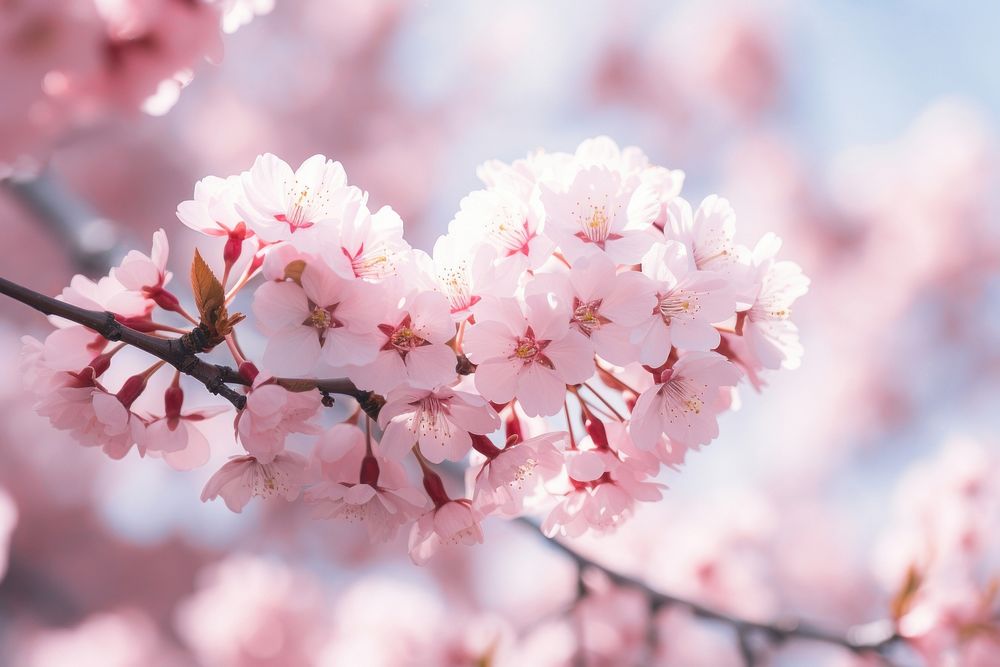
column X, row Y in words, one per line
column 132, row 389
column 369, row 470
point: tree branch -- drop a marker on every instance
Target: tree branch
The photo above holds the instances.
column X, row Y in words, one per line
column 778, row 632
column 91, row 240
column 171, row 350
column 217, row 379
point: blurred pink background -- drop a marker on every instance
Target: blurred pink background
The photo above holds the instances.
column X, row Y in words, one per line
column 863, row 134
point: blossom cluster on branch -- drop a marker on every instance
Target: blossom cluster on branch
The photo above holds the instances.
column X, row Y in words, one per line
column 578, row 327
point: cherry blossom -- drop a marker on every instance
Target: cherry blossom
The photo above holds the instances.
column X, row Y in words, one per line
column 367, row 245
column 213, row 213
column 511, row 476
column 107, row 293
column 709, row 233
column 412, row 338
column 530, row 355
column 605, row 305
column 175, row 436
column 271, row 414
column 357, row 486
column 685, row 402
column 508, row 218
column 320, row 318
column 601, row 493
column 280, row 201
column 577, row 329
column 146, row 276
column 464, row 272
column 689, row 302
column 244, row 477
column 770, row 335
column 437, row 421
column 451, row 523
column 596, row 213
column 94, row 417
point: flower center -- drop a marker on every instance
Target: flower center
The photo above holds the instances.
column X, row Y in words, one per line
column 320, row 319
column 403, row 338
column 530, row 351
column 587, row 316
column 526, row 349
column 675, row 305
column 267, row 480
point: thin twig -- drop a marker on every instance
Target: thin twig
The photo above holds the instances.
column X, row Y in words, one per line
column 777, row 632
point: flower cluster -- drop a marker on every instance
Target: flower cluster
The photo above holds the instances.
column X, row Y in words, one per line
column 579, row 326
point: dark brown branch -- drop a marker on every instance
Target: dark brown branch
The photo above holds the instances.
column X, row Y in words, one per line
column 104, row 323
column 179, row 355
column 218, row 378
column 777, row 632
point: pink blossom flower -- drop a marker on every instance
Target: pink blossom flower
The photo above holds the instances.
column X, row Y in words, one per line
column 689, row 302
column 360, row 487
column 412, row 338
column 365, row 245
column 175, row 436
column 771, row 336
column 604, row 305
column 325, row 318
column 508, row 218
column 597, row 214
column 145, row 276
column 65, row 352
column 138, row 272
column 708, row 234
column 530, row 357
column 451, row 523
column 601, row 493
column 94, row 417
column 438, row 421
column 106, row 294
column 280, row 202
column 213, row 210
column 516, row 473
column 464, row 271
column 602, row 151
column 244, row 477
column 271, row 414
column 685, row 402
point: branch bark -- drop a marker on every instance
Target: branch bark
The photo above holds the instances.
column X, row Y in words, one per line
column 777, row 632
column 216, row 378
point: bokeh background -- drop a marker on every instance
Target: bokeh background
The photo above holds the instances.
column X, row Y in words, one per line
column 863, row 133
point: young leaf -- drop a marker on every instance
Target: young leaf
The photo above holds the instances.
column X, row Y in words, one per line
column 294, row 269
column 209, row 295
